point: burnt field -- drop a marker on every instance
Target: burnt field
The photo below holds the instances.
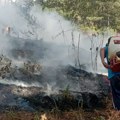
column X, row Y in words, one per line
column 35, row 86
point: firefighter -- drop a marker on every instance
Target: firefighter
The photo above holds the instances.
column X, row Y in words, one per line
column 113, row 70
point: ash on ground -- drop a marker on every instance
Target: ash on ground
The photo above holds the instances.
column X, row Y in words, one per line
column 44, row 88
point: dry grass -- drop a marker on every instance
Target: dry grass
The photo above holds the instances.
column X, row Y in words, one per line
column 107, row 113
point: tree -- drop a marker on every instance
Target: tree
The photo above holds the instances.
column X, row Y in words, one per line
column 98, row 14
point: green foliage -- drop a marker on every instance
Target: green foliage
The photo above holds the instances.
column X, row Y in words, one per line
column 36, row 116
column 100, row 118
column 98, row 13
column 66, row 92
column 11, row 115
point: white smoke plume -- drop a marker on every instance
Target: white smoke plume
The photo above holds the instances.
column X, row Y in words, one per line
column 65, row 44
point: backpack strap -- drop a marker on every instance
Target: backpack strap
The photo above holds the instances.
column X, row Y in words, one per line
column 106, row 54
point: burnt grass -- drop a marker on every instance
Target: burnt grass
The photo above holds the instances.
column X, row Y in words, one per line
column 89, row 98
column 65, row 102
column 107, row 113
column 36, row 99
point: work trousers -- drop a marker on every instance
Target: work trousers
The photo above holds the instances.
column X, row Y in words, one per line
column 115, row 88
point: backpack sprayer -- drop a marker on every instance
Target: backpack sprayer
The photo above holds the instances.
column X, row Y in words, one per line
column 114, row 53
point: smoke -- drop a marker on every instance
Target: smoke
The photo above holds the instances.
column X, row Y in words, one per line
column 20, row 83
column 58, row 32
column 50, row 27
column 60, row 42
